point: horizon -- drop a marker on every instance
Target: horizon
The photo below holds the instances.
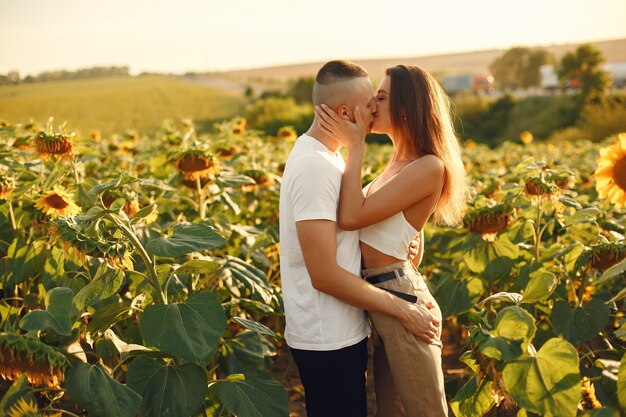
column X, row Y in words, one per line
column 286, row 64
column 203, row 36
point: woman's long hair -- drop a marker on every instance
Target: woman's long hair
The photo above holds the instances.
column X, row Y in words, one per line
column 420, row 110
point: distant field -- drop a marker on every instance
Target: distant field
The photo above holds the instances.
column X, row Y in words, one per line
column 472, row 61
column 117, row 104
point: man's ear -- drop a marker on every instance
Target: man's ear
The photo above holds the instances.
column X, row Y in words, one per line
column 344, row 112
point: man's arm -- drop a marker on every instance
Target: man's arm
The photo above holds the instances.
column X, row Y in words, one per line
column 318, row 241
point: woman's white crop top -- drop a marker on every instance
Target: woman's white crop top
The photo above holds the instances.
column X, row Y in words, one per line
column 390, row 236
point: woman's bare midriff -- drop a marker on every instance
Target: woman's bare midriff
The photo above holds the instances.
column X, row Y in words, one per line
column 375, row 259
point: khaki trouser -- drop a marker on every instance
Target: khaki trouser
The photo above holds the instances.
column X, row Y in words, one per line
column 407, row 371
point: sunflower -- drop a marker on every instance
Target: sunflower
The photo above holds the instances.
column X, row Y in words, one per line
column 526, row 137
column 54, row 144
column 287, row 133
column 273, row 251
column 7, row 184
column 488, row 220
column 239, row 126
column 261, row 179
column 589, row 400
column 469, row 144
column 131, row 206
column 611, row 172
column 605, row 255
column 563, row 180
column 57, row 203
column 197, row 163
column 192, row 183
column 95, row 135
column 42, row 364
column 225, row 152
column 102, row 240
column 539, row 188
column 23, row 408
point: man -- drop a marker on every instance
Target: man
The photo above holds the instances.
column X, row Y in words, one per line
column 323, row 293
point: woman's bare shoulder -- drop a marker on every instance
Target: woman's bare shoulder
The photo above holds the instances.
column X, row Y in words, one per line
column 427, row 164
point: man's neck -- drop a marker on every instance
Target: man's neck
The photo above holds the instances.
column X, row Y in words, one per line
column 317, row 133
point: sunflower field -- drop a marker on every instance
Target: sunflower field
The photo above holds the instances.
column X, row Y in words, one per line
column 140, row 274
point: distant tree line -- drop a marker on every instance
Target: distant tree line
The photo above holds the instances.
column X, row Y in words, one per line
column 593, row 112
column 518, row 68
column 13, row 77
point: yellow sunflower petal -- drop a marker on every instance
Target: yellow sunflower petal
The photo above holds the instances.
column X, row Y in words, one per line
column 621, row 140
column 604, row 171
column 612, row 192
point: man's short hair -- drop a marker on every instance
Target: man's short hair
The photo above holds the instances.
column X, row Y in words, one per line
column 339, row 70
column 334, row 72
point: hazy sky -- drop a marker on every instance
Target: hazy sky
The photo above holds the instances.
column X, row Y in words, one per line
column 206, row 35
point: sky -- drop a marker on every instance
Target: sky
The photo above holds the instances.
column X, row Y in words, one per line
column 210, row 35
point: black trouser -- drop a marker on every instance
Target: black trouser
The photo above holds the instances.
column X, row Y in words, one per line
column 334, row 380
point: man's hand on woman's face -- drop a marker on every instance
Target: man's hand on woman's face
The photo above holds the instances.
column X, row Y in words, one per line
column 349, row 134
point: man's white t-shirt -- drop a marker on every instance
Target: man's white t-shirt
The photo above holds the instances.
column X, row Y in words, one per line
column 310, row 191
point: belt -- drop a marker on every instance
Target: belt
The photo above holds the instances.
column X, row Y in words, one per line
column 376, row 279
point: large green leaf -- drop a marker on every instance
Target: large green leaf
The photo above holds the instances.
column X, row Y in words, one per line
column 123, row 179
column 603, row 412
column 513, row 297
column 547, row 384
column 58, row 314
column 255, row 396
column 189, row 330
column 227, row 179
column 473, row 399
column 515, row 323
column 621, row 383
column 22, row 262
column 19, row 389
column 581, row 323
column 452, row 297
column 167, row 390
column 505, row 248
column 91, row 387
column 475, row 253
column 105, row 283
column 613, row 272
column 245, row 351
column 540, row 286
column 501, row 348
column 107, row 316
column 250, row 282
column 255, row 326
column 53, row 268
column 187, row 237
column 586, row 215
column 198, row 266
column 621, row 332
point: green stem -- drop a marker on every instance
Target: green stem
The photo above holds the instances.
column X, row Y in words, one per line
column 581, row 290
column 12, row 216
column 58, row 410
column 574, row 291
column 117, row 366
column 538, row 226
column 201, row 198
column 153, row 277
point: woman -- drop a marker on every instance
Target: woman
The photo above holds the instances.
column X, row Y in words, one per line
column 425, row 177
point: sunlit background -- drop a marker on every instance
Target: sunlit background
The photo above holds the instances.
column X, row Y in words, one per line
column 209, row 35
column 178, row 118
